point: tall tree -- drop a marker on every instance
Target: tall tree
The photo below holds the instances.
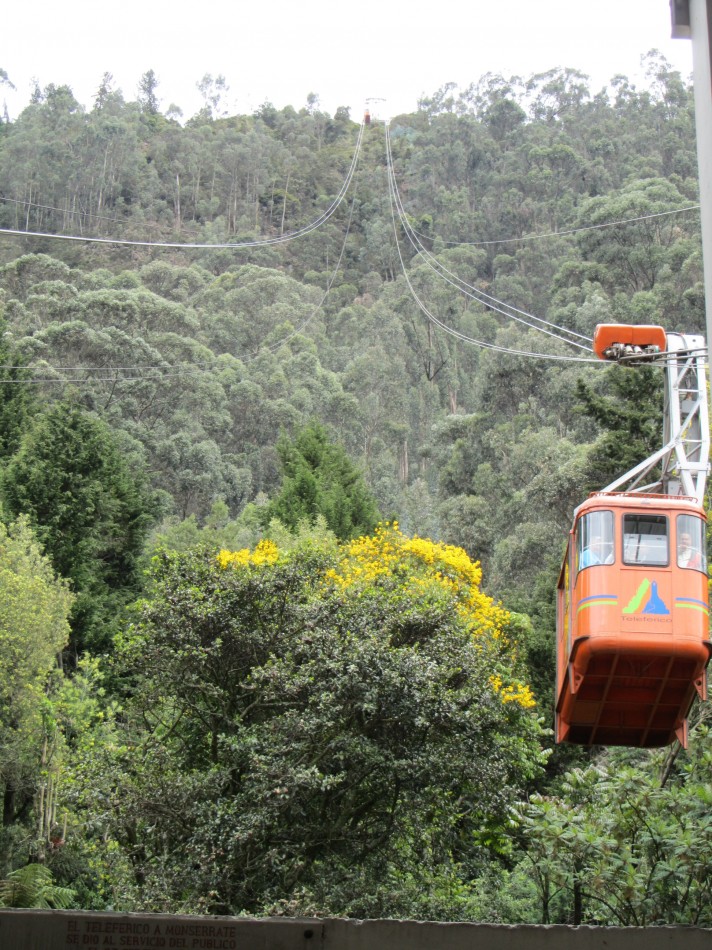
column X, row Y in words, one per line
column 89, row 509
column 628, row 408
column 320, row 479
column 613, row 846
column 148, row 92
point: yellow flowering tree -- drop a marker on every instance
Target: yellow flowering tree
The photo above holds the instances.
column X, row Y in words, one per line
column 328, row 727
column 430, row 569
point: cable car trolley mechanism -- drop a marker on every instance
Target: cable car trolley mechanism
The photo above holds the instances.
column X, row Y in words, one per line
column 632, row 603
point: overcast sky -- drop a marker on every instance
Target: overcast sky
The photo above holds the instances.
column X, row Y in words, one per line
column 281, row 50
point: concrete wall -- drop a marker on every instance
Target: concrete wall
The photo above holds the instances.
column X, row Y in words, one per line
column 52, row 930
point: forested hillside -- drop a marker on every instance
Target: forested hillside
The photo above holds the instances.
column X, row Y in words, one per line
column 294, row 413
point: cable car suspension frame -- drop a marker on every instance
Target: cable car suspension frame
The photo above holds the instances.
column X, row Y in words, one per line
column 683, row 461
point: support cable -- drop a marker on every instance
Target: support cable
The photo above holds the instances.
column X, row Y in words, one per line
column 209, row 365
column 468, row 289
column 556, row 234
column 443, row 326
column 262, row 242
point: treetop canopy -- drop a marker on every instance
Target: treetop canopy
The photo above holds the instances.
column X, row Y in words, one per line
column 417, row 570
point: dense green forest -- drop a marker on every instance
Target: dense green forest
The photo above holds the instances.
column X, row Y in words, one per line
column 278, row 547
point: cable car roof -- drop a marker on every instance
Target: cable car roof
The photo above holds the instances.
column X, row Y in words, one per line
column 602, row 499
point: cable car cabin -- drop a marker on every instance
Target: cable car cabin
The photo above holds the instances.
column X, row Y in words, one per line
column 632, row 621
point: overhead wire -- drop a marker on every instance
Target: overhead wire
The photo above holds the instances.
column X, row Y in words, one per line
column 465, row 338
column 262, row 242
column 34, row 204
column 555, row 234
column 662, row 359
column 182, row 370
column 411, row 233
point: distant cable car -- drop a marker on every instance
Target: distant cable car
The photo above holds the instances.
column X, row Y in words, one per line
column 632, row 608
column 367, row 117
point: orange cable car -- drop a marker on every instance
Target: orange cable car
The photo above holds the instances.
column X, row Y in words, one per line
column 632, row 604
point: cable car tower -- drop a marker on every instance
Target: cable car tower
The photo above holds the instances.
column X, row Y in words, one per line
column 632, row 607
column 684, row 457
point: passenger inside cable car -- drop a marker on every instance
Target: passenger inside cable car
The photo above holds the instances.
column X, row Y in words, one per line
column 690, row 544
column 595, row 539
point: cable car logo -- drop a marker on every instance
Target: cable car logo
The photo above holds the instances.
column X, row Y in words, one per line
column 655, row 605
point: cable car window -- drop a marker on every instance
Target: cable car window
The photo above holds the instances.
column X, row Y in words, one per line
column 691, row 551
column 645, row 539
column 594, row 539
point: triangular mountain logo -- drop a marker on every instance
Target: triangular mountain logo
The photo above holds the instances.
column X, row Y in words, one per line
column 654, row 604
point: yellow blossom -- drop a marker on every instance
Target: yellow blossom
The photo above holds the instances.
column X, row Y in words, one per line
column 514, row 692
column 420, row 568
column 266, row 552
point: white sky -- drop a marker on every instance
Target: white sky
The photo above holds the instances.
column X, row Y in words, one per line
column 281, row 50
